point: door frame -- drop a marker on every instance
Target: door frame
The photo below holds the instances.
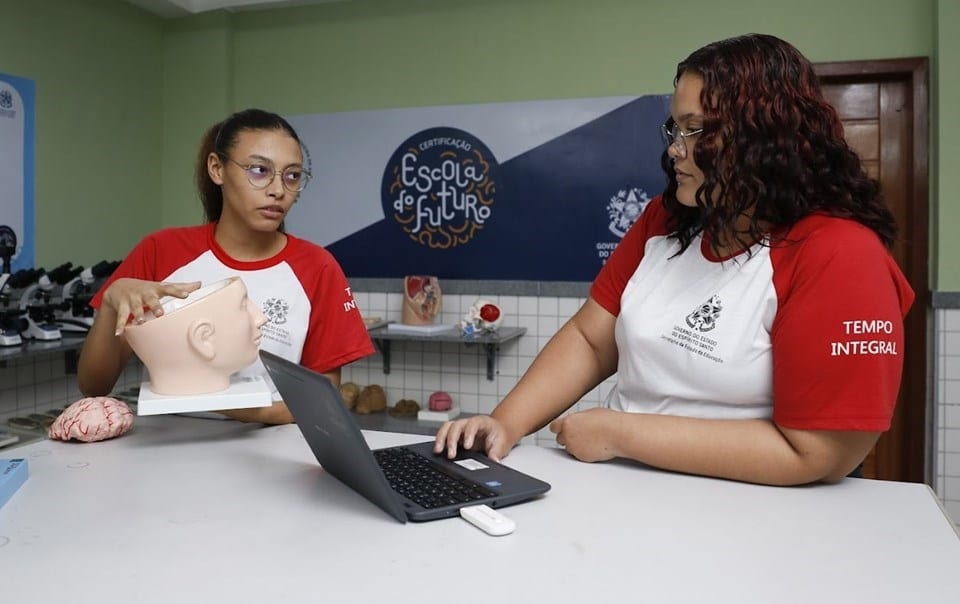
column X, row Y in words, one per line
column 914, row 438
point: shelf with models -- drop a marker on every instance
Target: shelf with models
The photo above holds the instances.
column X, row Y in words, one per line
column 382, row 336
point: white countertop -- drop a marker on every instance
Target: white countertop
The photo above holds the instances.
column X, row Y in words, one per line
column 195, row 510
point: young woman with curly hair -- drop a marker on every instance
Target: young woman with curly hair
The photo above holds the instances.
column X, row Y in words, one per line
column 753, row 315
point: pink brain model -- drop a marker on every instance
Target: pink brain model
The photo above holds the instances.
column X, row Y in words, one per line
column 92, row 419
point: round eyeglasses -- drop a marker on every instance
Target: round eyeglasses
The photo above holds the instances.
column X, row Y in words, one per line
column 677, row 138
column 260, row 176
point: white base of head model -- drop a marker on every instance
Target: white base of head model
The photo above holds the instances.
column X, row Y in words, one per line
column 243, row 393
column 200, row 341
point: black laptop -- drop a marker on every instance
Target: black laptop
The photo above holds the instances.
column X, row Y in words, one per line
column 408, row 482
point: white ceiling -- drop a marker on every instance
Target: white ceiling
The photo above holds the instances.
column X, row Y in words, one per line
column 180, row 8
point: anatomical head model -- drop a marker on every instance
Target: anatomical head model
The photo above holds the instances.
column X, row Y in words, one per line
column 483, row 316
column 199, row 342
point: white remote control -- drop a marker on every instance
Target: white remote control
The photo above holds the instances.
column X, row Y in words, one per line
column 488, row 520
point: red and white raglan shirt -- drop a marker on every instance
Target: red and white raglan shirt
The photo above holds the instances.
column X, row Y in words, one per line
column 312, row 317
column 807, row 331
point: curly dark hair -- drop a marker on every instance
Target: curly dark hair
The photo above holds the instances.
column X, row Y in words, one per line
column 220, row 139
column 772, row 149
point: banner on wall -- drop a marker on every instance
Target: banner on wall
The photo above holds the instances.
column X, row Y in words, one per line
column 16, row 169
column 539, row 191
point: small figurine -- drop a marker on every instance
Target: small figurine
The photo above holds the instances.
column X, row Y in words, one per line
column 421, row 302
column 483, row 316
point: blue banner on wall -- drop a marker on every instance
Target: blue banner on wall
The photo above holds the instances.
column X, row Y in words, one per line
column 16, row 169
column 537, row 191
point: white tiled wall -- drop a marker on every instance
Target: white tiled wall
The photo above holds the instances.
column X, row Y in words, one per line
column 38, row 383
column 34, row 384
column 946, row 462
column 419, row 368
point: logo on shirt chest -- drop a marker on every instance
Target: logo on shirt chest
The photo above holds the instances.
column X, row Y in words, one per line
column 705, row 317
column 276, row 309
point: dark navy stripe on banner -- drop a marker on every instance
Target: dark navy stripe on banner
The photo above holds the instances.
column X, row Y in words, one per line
column 554, row 212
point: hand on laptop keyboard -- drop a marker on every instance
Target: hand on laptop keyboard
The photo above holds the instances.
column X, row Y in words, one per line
column 480, row 433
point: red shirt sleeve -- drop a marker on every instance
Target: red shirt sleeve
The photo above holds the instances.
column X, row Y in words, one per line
column 159, row 254
column 140, row 263
column 336, row 334
column 613, row 277
column 838, row 334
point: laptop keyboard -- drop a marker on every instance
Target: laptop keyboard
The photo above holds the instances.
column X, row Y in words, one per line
column 421, row 480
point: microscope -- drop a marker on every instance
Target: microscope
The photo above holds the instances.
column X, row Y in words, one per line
column 35, row 302
column 76, row 314
column 11, row 322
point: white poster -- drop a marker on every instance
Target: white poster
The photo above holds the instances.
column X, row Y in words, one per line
column 16, row 173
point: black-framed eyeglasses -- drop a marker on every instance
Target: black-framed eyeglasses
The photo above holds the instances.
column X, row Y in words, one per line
column 260, row 175
column 676, row 137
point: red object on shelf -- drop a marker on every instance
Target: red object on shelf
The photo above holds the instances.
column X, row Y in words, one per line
column 489, row 312
column 440, row 401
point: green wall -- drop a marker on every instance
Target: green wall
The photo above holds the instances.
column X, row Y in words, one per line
column 945, row 161
column 97, row 66
column 197, row 54
column 368, row 54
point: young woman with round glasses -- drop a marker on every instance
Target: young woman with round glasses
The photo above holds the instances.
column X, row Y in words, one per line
column 250, row 171
column 753, row 315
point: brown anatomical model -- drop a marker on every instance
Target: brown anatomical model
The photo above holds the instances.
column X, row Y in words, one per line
column 372, row 399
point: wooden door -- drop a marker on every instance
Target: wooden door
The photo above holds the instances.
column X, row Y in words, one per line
column 883, row 105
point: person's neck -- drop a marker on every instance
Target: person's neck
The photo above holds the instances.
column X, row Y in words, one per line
column 731, row 244
column 246, row 245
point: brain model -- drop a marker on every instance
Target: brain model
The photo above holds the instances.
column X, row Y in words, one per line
column 92, row 419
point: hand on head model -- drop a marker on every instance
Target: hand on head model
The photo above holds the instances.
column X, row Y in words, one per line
column 131, row 298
